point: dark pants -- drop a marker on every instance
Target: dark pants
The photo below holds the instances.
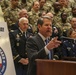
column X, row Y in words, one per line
column 21, row 70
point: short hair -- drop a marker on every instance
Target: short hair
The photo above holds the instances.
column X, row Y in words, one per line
column 21, row 19
column 34, row 2
column 72, row 18
column 22, row 10
column 41, row 20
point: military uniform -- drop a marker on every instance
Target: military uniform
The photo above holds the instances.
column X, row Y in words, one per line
column 63, row 27
column 29, row 3
column 70, row 17
column 69, row 48
column 16, row 26
column 24, row 6
column 33, row 18
column 4, row 4
column 56, row 17
column 72, row 4
column 18, row 43
column 11, row 16
column 47, row 6
column 66, row 9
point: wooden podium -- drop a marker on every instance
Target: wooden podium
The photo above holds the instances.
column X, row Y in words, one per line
column 55, row 67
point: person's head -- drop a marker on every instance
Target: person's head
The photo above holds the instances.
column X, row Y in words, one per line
column 45, row 26
column 23, row 1
column 73, row 23
column 62, row 2
column 14, row 3
column 36, row 5
column 42, row 2
column 56, row 6
column 23, row 13
column 43, row 13
column 23, row 24
column 74, row 11
column 64, row 15
column 50, row 15
column 71, row 33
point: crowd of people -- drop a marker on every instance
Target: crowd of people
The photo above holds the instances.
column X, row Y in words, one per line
column 36, row 28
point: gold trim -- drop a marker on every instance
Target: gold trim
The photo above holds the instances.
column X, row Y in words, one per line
column 16, row 57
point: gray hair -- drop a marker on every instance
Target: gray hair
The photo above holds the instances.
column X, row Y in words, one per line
column 21, row 19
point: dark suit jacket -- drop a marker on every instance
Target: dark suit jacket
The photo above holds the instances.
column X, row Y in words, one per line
column 35, row 50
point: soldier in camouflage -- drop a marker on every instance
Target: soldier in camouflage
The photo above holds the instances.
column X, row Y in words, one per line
column 11, row 13
column 4, row 4
column 63, row 24
column 34, row 15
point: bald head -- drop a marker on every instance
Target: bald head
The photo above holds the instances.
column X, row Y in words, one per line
column 50, row 15
column 23, row 13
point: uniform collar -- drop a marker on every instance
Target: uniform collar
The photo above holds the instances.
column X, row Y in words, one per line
column 21, row 30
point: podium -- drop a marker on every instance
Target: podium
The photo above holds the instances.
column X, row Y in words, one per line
column 55, row 67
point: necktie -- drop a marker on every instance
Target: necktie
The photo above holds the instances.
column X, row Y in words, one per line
column 46, row 41
column 24, row 34
column 50, row 52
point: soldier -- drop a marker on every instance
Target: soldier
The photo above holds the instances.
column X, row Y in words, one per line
column 34, row 15
column 64, row 6
column 22, row 13
column 11, row 13
column 73, row 3
column 73, row 23
column 23, row 4
column 72, row 13
column 69, row 45
column 42, row 2
column 18, row 39
column 48, row 5
column 63, row 24
column 56, row 11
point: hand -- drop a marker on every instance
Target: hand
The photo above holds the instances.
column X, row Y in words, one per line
column 24, row 61
column 54, row 43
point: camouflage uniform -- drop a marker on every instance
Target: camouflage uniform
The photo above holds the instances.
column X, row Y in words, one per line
column 50, row 1
column 4, row 4
column 63, row 27
column 48, row 6
column 11, row 16
column 72, row 4
column 70, row 17
column 33, row 17
column 23, row 5
column 31, row 1
column 66, row 9
column 56, row 17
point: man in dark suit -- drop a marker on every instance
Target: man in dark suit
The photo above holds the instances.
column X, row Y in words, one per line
column 18, row 39
column 35, row 46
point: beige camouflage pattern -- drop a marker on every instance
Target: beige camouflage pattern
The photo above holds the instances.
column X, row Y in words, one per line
column 33, row 18
column 11, row 15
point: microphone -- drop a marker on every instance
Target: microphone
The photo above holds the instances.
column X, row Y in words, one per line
column 67, row 38
column 62, row 38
